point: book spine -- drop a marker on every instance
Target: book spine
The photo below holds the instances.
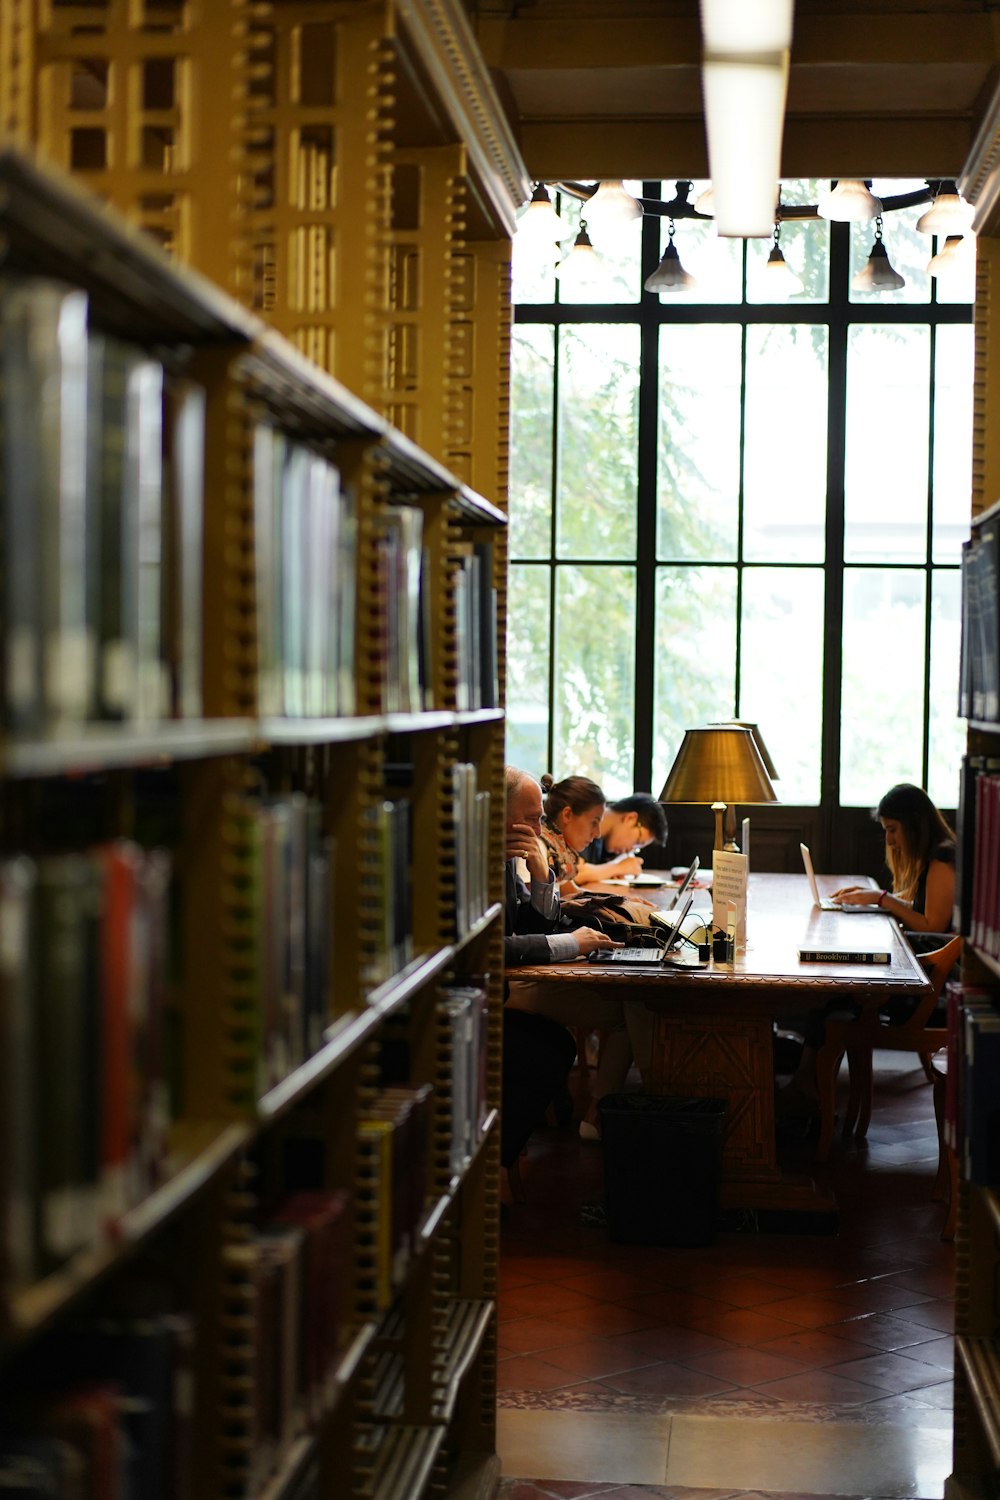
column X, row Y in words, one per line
column 833, row 956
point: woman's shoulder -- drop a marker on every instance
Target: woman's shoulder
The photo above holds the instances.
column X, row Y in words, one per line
column 944, row 852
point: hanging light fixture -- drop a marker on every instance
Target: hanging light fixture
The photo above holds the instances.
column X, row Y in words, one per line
column 611, row 207
column 744, row 80
column 948, row 214
column 705, row 202
column 670, row 276
column 850, row 202
column 540, row 224
column 953, row 259
column 582, row 266
column 878, row 274
column 776, row 279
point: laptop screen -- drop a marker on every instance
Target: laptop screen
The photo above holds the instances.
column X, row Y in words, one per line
column 810, row 873
column 679, row 893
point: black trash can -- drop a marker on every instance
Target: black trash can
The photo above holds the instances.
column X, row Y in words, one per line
column 662, row 1163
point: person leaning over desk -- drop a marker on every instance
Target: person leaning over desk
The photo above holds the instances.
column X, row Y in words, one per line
column 538, row 1051
column 629, row 825
column 576, row 807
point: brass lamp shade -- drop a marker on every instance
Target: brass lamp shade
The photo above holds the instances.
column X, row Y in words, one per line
column 721, row 765
column 758, row 740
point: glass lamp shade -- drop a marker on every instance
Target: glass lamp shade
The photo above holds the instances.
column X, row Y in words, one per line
column 758, row 740
column 705, row 202
column 777, row 279
column 878, row 274
column 948, row 214
column 540, row 222
column 850, row 202
column 718, row 763
column 670, row 275
column 611, row 207
column 583, row 264
column 953, row 258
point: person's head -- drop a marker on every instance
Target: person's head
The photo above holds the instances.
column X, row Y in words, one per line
column 913, row 830
column 524, row 799
column 633, row 822
column 574, row 807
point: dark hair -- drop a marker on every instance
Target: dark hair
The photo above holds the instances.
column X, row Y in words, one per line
column 578, row 793
column 924, row 830
column 648, row 810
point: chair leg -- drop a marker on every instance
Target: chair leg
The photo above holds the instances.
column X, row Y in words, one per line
column 927, row 1065
column 828, row 1060
column 946, row 1181
column 515, row 1182
column 861, row 1062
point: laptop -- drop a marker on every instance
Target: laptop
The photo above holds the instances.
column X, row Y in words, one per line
column 681, row 890
column 655, row 955
column 823, row 902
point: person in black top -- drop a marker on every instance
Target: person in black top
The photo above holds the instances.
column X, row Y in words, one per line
column 628, row 826
column 920, row 856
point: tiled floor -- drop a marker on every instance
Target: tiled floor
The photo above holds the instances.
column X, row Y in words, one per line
column 765, row 1364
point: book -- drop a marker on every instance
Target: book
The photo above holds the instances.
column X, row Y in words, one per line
column 18, row 1080
column 184, row 404
column 980, row 1088
column 48, row 639
column 842, row 956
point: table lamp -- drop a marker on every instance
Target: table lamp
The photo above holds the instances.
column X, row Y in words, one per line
column 758, row 740
column 719, row 764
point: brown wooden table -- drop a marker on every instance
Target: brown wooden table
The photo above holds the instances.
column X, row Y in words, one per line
column 714, row 1030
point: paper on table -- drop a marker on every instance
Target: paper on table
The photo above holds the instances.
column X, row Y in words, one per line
column 729, row 884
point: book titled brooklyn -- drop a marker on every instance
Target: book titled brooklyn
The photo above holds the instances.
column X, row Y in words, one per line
column 841, row 956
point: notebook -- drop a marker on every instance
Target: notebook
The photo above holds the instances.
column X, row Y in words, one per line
column 648, row 955
column 823, row 902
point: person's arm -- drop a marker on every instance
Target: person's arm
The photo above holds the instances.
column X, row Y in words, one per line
column 612, row 869
column 939, row 899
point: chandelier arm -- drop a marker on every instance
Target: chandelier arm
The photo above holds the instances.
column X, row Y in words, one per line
column 678, row 208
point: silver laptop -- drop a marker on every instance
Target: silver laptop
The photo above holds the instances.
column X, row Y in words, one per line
column 823, row 902
column 670, row 927
column 681, row 890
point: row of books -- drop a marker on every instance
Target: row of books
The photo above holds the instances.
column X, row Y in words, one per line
column 103, row 1411
column 305, row 546
column 285, row 1307
column 85, row 1048
column 386, row 890
column 102, row 478
column 478, row 683
column 977, row 894
column 394, row 1139
column 463, row 1011
column 979, row 671
column 972, row 1091
column 471, row 812
column 283, row 932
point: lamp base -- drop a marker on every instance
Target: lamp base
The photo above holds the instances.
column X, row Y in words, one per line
column 719, row 808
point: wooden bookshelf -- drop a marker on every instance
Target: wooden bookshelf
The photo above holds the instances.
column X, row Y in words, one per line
column 976, row 1455
column 397, row 402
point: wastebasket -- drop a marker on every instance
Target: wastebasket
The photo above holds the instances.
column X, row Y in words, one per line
column 662, row 1163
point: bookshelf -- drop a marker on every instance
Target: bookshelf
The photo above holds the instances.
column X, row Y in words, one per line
column 976, row 1454
column 282, row 1194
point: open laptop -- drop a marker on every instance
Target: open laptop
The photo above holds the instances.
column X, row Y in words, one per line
column 823, row 902
column 629, row 955
column 682, row 889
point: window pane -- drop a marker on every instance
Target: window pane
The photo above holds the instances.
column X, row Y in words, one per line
column 695, row 678
column 784, row 463
column 613, row 271
column 716, row 264
column 885, row 468
column 882, row 705
column 532, row 385
column 781, row 678
column 594, row 676
column 698, row 450
column 947, row 733
column 953, row 369
column 908, row 251
column 527, row 668
column 598, row 434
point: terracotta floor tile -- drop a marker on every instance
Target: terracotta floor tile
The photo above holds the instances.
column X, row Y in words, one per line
column 741, row 1325
column 681, row 1344
column 611, row 1285
column 939, row 1315
column 817, row 1347
column 667, row 1380
column 540, row 1300
column 597, row 1359
column 817, row 1311
column 746, row 1366
column 890, row 1372
column 603, row 1318
column 886, row 1332
column 526, row 1372
column 819, row 1385
column 674, row 1306
column 529, row 1335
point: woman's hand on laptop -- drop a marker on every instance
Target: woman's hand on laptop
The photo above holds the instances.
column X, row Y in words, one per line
column 857, row 895
column 588, row 940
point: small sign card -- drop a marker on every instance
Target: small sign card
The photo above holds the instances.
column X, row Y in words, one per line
column 729, row 887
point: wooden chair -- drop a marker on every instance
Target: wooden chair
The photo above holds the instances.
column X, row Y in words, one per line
column 858, row 1040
